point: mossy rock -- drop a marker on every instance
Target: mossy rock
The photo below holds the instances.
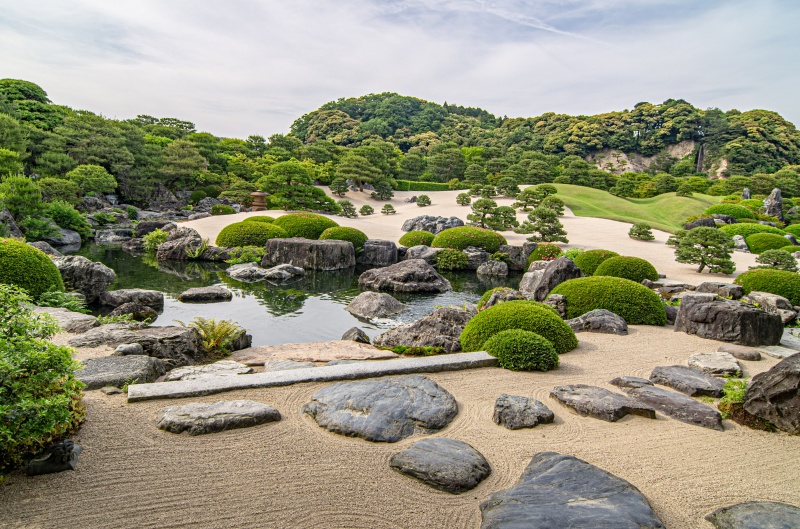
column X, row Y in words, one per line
column 342, row 233
column 635, row 303
column 306, row 225
column 748, row 229
column 761, row 242
column 545, row 251
column 779, row 282
column 520, row 350
column 463, row 237
column 589, row 260
column 28, row 268
column 734, row 210
column 260, row 218
column 249, row 234
column 417, row 238
column 632, row 268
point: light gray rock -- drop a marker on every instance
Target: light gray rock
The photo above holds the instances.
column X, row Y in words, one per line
column 87, row 277
column 113, row 236
column 285, row 365
column 740, row 244
column 493, row 268
column 111, row 390
column 377, row 252
column 223, row 368
column 119, row 370
column 212, row 294
column 475, row 257
column 630, row 382
column 756, row 515
column 725, row 290
column 746, row 193
column 599, row 403
column 411, row 275
column 431, row 223
column 310, row 255
column 678, row 406
column 43, row 246
column 709, row 316
column 689, row 380
column 775, row 395
column 129, row 349
column 558, row 302
column 198, row 216
column 518, row 255
column 72, row 322
column 251, row 272
column 66, row 240
column 137, row 311
column 445, row 464
column 374, row 305
column 530, row 280
column 773, row 204
column 8, row 219
column 772, row 303
column 179, row 242
column 115, row 298
column 599, row 320
column 178, row 346
column 555, row 273
column 717, row 364
column 503, row 295
column 515, row 412
column 421, row 251
column 354, row 334
column 441, row 328
column 203, row 418
column 741, row 352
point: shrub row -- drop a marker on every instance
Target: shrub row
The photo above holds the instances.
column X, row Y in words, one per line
column 779, row 282
column 746, row 230
column 408, row 185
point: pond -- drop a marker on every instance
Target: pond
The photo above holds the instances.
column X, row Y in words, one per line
column 307, row 309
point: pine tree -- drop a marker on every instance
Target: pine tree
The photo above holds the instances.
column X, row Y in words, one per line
column 339, row 186
column 383, row 191
column 543, row 223
column 463, row 199
column 388, row 209
column 423, row 200
column 503, row 218
column 348, row 209
column 707, row 247
column 482, row 210
column 366, row 209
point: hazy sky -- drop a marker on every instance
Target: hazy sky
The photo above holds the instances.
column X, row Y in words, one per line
column 253, row 66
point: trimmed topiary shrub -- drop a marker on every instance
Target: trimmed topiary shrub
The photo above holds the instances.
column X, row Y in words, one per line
column 748, row 229
column 196, row 196
column 761, row 242
column 632, row 268
column 307, row 225
column 222, row 209
column 753, row 204
column 525, row 315
column 641, row 231
column 249, row 234
column 545, row 251
column 637, row 304
column 260, row 218
column 520, row 350
column 416, row 238
column 449, row 259
column 776, row 259
column 780, row 282
column 342, row 233
column 366, row 209
column 794, row 229
column 734, row 210
column 589, row 260
column 28, row 268
column 791, row 248
column 465, row 236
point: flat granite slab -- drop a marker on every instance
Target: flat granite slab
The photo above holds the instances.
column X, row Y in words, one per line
column 310, row 352
column 403, row 366
column 778, row 351
column 790, row 340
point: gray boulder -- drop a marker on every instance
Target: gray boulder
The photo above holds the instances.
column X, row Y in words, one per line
column 129, row 349
column 741, row 352
column 558, row 302
column 725, row 290
column 431, row 223
column 689, row 380
column 310, row 255
column 147, row 226
column 385, row 409
column 202, row 418
column 441, row 328
column 773, row 204
column 630, row 382
column 8, row 219
column 515, row 412
column 178, row 346
column 180, row 242
column 700, row 223
column 775, row 395
column 678, row 406
column 411, row 275
column 503, row 295
column 212, row 294
column 251, row 272
column 377, row 252
column 87, row 277
column 421, row 251
column 133, row 246
column 555, row 273
column 46, row 248
column 756, row 515
column 493, row 269
column 66, row 240
column 119, row 370
column 559, row 491
column 374, row 305
column 113, row 236
column 518, row 255
column 475, row 257
column 791, row 238
column 716, row 363
column 115, row 298
column 599, row 320
column 204, row 205
column 444, row 464
column 137, row 311
column 772, row 303
column 599, row 403
column 530, row 280
column 709, row 316
column 740, row 244
column 354, row 334
column 672, row 314
column 73, row 322
column 746, row 193
column 223, row 368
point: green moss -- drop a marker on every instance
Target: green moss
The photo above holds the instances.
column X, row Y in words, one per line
column 545, row 251
column 632, row 268
column 449, row 259
column 780, row 282
column 28, row 268
column 761, row 242
column 465, row 236
column 249, row 234
column 734, row 210
column 416, row 238
column 794, row 229
column 520, row 350
column 589, row 260
column 307, row 225
column 790, row 249
column 260, row 218
column 637, row 304
column 342, row 233
column 748, row 229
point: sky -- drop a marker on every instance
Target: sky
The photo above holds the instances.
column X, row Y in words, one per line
column 246, row 67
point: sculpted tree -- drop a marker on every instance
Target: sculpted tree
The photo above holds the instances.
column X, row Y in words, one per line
column 358, row 169
column 707, row 247
column 339, row 187
column 482, row 210
column 543, row 223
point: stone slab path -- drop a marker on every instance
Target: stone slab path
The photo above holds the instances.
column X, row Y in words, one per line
column 404, row 366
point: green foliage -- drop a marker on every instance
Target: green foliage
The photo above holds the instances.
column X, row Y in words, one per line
column 307, row 225
column 423, row 200
column 482, row 211
column 266, row 219
column 525, row 315
column 554, row 203
column 635, row 303
column 543, row 223
column 93, row 179
column 40, row 398
column 119, row 318
column 222, row 209
column 59, row 189
column 196, row 196
column 520, row 350
column 790, row 249
column 348, row 210
column 462, row 237
column 196, row 252
column 641, row 231
column 503, row 218
column 780, row 282
column 239, row 193
column 216, row 335
column 154, row 239
column 545, row 252
column 589, row 260
column 38, row 228
column 249, row 234
column 777, row 259
column 463, row 199
column 734, row 392
column 339, row 187
column 246, row 254
column 707, row 247
column 406, row 185
column 103, row 217
column 66, row 216
column 383, row 191
column 21, row 196
column 342, row 233
column 794, row 229
column 632, row 268
column 449, row 259
column 573, row 253
column 761, row 242
column 502, row 257
column 64, row 300
column 388, row 209
column 426, row 350
column 734, row 210
column 746, row 230
column 132, row 213
column 28, row 268
column 366, row 209
column 416, row 238
column 507, row 186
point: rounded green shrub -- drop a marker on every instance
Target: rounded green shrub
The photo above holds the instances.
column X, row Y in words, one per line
column 28, row 268
column 520, row 350
column 790, row 249
column 589, row 260
column 449, row 259
column 249, row 234
column 525, row 315
column 794, row 229
column 465, row 236
column 753, row 204
column 637, row 304
column 632, row 268
column 196, row 196
column 306, row 225
column 342, row 233
column 260, row 218
column 761, row 242
column 416, row 238
column 734, row 210
column 779, row 282
column 545, row 251
column 748, row 229
column 222, row 209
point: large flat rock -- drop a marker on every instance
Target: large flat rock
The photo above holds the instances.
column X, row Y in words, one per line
column 202, row 418
column 119, row 370
column 445, row 464
column 441, row 328
column 69, row 321
column 716, row 363
column 756, row 515
column 600, row 403
column 411, row 275
column 311, row 352
column 678, row 406
column 712, row 317
column 689, row 380
column 223, row 368
column 178, row 345
column 309, row 254
column 374, row 305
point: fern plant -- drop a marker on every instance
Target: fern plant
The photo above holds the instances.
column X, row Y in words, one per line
column 216, row 335
column 65, row 300
column 198, row 251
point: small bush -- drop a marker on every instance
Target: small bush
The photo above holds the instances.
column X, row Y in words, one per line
column 249, row 234
column 450, row 259
column 246, row 254
column 348, row 210
column 423, row 200
column 342, row 233
column 794, row 229
column 779, row 282
column 545, row 252
column 388, row 209
column 761, row 242
column 366, row 209
column 260, row 218
column 67, row 217
column 28, row 268
column 196, row 196
column 635, row 303
column 748, row 229
column 641, row 231
column 216, row 335
column 520, row 350
column 463, row 199
column 222, row 209
column 416, row 238
column 525, row 315
column 464, row 236
column 132, row 213
column 573, row 253
column 734, row 210
column 307, row 225
column 632, row 268
column 104, row 218
column 777, row 259
column 64, row 300
column 153, row 239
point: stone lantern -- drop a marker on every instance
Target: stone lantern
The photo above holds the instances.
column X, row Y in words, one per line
column 259, row 201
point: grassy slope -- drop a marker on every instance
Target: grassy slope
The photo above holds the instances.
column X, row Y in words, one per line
column 664, row 212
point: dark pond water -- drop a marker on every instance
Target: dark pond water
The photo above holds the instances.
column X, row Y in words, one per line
column 307, row 309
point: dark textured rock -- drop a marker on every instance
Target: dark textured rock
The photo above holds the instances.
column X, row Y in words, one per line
column 162, row 199
column 775, row 395
column 630, row 382
column 68, row 321
column 475, row 257
column 205, row 204
column 444, row 464
column 91, row 204
column 8, row 219
column 727, row 219
column 87, row 277
column 756, row 515
column 726, row 290
column 421, row 251
column 203, row 418
column 147, row 226
column 493, row 268
column 441, row 328
column 709, row 316
column 555, row 273
column 431, row 223
column 377, row 252
column 46, row 248
column 558, row 491
column 119, row 370
column 678, row 406
column 791, row 238
column 251, row 272
column 599, row 320
column 212, row 294
column 354, row 334
column 773, row 304
column 773, row 204
column 57, row 458
column 518, row 255
column 310, row 255
column 137, row 311
column 515, row 412
column 113, row 236
column 672, row 314
column 115, row 298
column 127, row 349
column 741, row 352
column 599, row 402
column 180, row 242
column 689, row 380
column 374, row 305
column 385, row 409
column 501, row 296
column 178, row 346
column 700, row 223
column 746, row 193
column 134, row 246
column 66, row 240
column 558, row 302
column 412, row 275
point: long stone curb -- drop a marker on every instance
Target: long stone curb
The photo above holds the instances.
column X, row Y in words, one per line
column 404, row 366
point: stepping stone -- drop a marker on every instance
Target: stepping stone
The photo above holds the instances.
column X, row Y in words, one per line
column 283, row 365
column 599, row 320
column 560, row 491
column 202, row 418
column 689, row 380
column 514, row 412
column 385, row 409
column 69, row 321
column 740, row 351
column 790, row 340
column 630, row 382
column 717, row 364
column 444, row 464
column 599, row 402
column 311, row 352
column 212, row 294
column 119, row 370
column 678, row 406
column 778, row 351
column 756, row 515
column 223, row 368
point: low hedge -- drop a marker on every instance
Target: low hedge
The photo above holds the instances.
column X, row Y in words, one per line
column 632, row 268
column 637, row 304
column 260, row 218
column 790, row 249
column 589, row 260
column 794, row 229
column 734, row 210
column 449, row 259
column 520, row 350
column 525, row 315
column 409, row 185
column 416, row 238
column 779, row 282
column 753, row 204
column 465, row 236
column 28, row 268
column 307, row 225
column 222, row 209
column 761, row 242
column 249, row 234
column 545, row 251
column 748, row 229
column 343, row 233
